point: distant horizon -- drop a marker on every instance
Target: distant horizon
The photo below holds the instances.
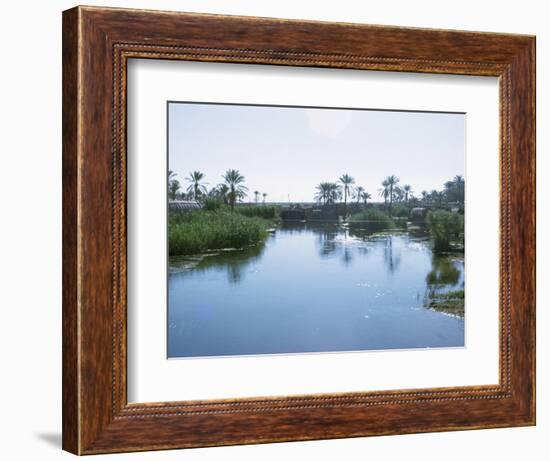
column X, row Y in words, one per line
column 286, row 151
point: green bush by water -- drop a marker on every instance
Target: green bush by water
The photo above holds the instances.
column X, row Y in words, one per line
column 374, row 219
column 200, row 231
column 445, row 229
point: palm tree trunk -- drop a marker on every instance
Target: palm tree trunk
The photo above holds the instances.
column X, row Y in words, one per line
column 345, row 199
column 391, row 197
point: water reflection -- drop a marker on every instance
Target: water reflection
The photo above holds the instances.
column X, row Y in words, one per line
column 234, row 262
column 445, row 271
column 346, row 241
column 333, row 239
column 392, row 258
column 326, row 238
column 447, row 275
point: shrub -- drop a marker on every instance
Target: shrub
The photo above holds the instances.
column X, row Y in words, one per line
column 200, row 231
column 373, row 219
column 445, row 227
column 400, row 210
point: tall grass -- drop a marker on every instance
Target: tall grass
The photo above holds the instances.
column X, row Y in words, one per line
column 200, row 231
column 445, row 228
column 374, row 219
column 250, row 211
column 259, row 211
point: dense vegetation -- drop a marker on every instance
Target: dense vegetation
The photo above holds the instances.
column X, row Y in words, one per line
column 400, row 210
column 200, row 231
column 264, row 211
column 446, row 227
column 251, row 211
column 446, row 230
column 374, row 219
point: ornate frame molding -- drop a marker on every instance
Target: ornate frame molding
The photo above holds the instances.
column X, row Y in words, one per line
column 97, row 43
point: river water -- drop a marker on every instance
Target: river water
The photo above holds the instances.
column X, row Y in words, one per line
column 313, row 287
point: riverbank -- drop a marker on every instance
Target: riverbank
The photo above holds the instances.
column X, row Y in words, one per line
column 216, row 227
column 446, row 229
column 451, row 302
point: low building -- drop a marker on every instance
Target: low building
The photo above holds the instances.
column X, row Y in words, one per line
column 183, row 206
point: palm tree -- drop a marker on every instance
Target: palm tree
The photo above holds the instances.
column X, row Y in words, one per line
column 384, row 191
column 322, row 191
column 365, row 196
column 264, row 195
column 407, row 190
column 359, row 192
column 450, row 191
column 424, row 194
column 196, row 187
column 172, row 192
column 437, row 197
column 334, row 192
column 459, row 184
column 173, row 189
column 256, row 196
column 398, row 194
column 222, row 193
column 237, row 189
column 454, row 190
column 391, row 182
column 440, row 197
column 347, row 181
column 327, row 192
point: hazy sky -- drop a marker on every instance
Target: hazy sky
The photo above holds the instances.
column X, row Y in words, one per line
column 286, row 152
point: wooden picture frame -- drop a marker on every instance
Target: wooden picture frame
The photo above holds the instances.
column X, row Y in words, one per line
column 97, row 43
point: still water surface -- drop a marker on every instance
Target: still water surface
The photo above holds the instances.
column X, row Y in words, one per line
column 313, row 288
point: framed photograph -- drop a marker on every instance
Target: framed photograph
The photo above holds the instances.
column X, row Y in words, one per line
column 282, row 230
